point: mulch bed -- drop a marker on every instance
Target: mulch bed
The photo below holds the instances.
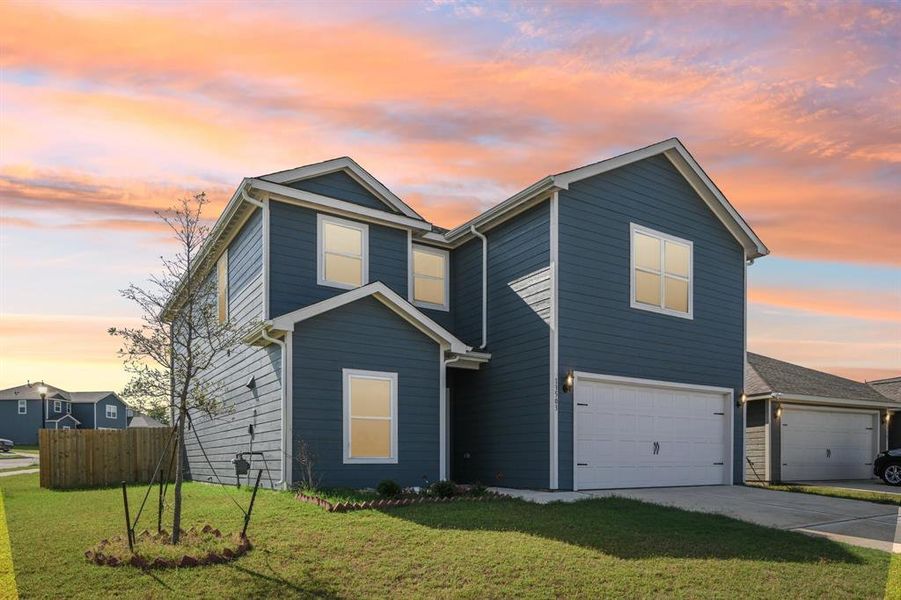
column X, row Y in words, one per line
column 391, row 502
column 206, row 546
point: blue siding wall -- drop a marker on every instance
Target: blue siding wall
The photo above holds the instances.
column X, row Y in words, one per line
column 227, row 433
column 21, row 429
column 600, row 333
column 366, row 335
column 121, row 420
column 501, row 412
column 466, row 292
column 84, row 413
column 341, row 186
column 292, row 259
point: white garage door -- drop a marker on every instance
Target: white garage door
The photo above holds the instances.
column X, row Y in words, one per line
column 650, row 434
column 828, row 444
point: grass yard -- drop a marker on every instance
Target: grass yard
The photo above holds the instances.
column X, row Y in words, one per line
column 836, row 492
column 603, row 547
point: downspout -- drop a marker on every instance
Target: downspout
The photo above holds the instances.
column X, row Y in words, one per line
column 472, row 229
column 284, row 401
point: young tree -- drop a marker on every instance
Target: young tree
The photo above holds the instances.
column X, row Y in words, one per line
column 181, row 333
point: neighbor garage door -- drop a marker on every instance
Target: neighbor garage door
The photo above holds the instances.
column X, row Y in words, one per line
column 828, row 443
column 649, row 434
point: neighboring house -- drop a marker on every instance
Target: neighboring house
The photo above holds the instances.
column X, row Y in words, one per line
column 891, row 389
column 587, row 332
column 142, row 420
column 23, row 411
column 806, row 425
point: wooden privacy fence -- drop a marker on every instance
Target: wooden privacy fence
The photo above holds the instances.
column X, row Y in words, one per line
column 82, row 458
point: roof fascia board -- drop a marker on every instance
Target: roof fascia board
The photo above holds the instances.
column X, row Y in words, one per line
column 805, row 399
column 358, row 173
column 514, row 201
column 339, row 207
column 387, row 297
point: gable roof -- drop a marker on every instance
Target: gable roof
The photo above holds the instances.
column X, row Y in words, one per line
column 349, row 166
column 386, row 296
column 91, row 397
column 765, row 375
column 62, row 418
column 677, row 154
column 890, row 388
column 29, row 391
column 142, row 420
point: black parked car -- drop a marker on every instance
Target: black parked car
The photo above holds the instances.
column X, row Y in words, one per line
column 5, row 445
column 888, row 466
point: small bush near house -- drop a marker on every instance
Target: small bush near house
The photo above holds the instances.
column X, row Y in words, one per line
column 443, row 489
column 478, row 489
column 388, row 488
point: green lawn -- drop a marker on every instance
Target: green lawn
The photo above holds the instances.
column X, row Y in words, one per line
column 836, row 492
column 602, row 547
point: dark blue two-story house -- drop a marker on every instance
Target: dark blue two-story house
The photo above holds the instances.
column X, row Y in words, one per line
column 587, row 332
column 25, row 409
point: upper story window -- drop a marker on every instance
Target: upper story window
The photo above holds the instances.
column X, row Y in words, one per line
column 222, row 287
column 370, row 417
column 23, row 407
column 661, row 272
column 57, row 406
column 111, row 411
column 68, row 408
column 342, row 252
column 430, row 280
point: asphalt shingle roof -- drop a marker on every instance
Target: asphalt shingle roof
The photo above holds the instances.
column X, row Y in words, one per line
column 890, row 388
column 30, row 392
column 88, row 397
column 768, row 375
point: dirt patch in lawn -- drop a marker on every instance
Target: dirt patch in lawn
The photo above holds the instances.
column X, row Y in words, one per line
column 206, row 546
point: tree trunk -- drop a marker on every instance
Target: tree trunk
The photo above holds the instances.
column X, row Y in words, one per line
column 179, row 474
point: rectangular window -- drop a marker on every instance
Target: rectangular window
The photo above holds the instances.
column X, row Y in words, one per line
column 430, row 288
column 222, row 287
column 68, row 408
column 661, row 272
column 370, row 417
column 343, row 253
column 57, row 406
column 111, row 411
column 66, row 427
column 23, row 407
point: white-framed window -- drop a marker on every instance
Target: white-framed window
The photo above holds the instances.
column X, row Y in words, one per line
column 111, row 411
column 23, row 407
column 68, row 408
column 370, row 416
column 57, row 406
column 661, row 272
column 342, row 252
column 430, row 277
column 66, row 427
column 222, row 287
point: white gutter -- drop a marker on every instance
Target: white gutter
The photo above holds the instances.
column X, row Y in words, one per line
column 472, row 229
column 263, row 206
column 284, row 402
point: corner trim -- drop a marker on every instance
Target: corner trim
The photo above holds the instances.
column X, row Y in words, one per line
column 554, row 367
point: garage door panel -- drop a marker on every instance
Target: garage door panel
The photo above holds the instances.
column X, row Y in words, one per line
column 687, row 429
column 820, row 444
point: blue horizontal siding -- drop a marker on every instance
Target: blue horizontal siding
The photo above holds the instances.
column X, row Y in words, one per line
column 369, row 336
column 500, row 412
column 598, row 330
column 341, row 186
column 292, row 259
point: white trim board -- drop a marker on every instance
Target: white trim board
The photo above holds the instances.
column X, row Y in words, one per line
column 837, row 402
column 354, row 170
column 554, row 367
column 386, row 296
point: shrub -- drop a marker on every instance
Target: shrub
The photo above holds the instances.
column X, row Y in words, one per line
column 388, row 488
column 443, row 489
column 478, row 489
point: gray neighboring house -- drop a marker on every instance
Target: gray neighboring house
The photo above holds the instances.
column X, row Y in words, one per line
column 587, row 332
column 807, row 425
column 141, row 420
column 23, row 411
column 891, row 389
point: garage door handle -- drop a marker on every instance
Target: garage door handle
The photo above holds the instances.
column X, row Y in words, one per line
column 656, row 448
column 828, row 453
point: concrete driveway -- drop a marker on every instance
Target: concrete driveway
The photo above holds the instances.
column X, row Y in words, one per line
column 851, row 521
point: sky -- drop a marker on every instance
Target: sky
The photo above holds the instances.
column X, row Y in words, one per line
column 111, row 111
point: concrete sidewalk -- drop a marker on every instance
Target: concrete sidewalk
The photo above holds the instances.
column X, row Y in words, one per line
column 851, row 521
